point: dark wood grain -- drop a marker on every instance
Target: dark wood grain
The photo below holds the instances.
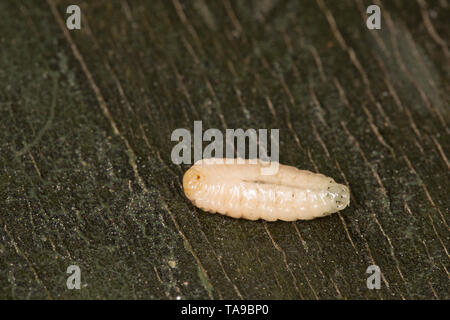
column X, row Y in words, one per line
column 86, row 176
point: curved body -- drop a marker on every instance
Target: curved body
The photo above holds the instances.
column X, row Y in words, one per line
column 241, row 191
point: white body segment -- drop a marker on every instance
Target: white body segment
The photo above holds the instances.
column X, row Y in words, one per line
column 241, row 191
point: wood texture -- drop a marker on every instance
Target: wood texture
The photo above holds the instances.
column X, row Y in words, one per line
column 86, row 119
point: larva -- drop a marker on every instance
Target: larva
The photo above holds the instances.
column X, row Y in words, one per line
column 241, row 191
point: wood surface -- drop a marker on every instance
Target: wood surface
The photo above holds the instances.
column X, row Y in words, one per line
column 86, row 176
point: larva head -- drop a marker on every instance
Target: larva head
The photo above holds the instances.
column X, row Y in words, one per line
column 192, row 181
column 338, row 195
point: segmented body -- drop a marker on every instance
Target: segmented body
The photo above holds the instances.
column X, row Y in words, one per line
column 241, row 191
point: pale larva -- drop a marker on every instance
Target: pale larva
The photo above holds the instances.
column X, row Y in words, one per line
column 241, row 191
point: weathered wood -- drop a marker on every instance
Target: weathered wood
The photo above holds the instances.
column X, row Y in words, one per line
column 86, row 118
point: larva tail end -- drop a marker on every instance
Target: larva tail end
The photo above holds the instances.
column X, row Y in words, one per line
column 341, row 196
